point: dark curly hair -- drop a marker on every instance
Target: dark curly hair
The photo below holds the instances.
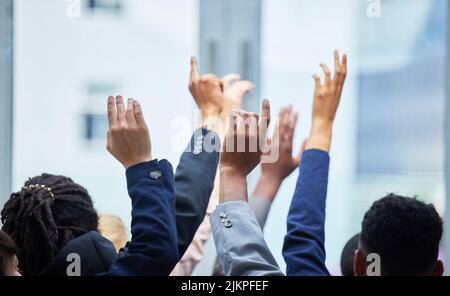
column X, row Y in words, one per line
column 348, row 255
column 405, row 232
column 7, row 251
column 42, row 219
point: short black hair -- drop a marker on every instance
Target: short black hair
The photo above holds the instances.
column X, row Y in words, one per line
column 44, row 216
column 8, row 250
column 405, row 233
column 348, row 256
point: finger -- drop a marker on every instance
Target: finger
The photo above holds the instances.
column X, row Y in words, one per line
column 292, row 125
column 344, row 67
column 265, row 110
column 208, row 77
column 278, row 125
column 344, row 62
column 337, row 63
column 287, row 117
column 131, row 119
column 340, row 84
column 284, row 128
column 317, row 81
column 195, row 76
column 242, row 131
column 327, row 72
column 138, row 114
column 265, row 120
column 253, row 121
column 120, row 110
column 240, row 88
column 112, row 113
column 229, row 79
column 294, row 121
column 232, row 120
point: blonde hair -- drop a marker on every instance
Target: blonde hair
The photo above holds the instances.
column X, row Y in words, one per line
column 112, row 227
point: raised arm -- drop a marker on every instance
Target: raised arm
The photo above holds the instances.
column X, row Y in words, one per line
column 304, row 250
column 195, row 174
column 233, row 218
column 230, row 97
column 274, row 173
column 153, row 247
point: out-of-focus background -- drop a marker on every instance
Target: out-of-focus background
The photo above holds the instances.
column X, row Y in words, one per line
column 60, row 59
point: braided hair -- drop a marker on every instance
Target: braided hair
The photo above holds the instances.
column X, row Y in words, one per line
column 46, row 214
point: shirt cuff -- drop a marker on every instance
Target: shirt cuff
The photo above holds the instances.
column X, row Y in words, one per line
column 152, row 170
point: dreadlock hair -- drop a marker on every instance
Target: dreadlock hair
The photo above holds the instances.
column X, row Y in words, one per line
column 8, row 250
column 46, row 214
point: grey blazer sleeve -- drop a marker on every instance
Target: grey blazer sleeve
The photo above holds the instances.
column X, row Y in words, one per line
column 240, row 244
column 194, row 182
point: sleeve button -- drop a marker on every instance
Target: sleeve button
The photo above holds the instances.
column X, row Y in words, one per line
column 155, row 175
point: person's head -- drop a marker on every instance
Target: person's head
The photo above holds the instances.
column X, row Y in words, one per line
column 112, row 227
column 8, row 256
column 405, row 233
column 348, row 256
column 41, row 218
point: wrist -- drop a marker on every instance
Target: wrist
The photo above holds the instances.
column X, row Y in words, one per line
column 267, row 187
column 272, row 180
column 210, row 120
column 322, row 126
column 132, row 163
column 233, row 185
column 210, row 112
column 320, row 137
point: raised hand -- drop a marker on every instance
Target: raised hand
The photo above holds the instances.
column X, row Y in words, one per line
column 207, row 91
column 273, row 173
column 128, row 135
column 326, row 101
column 234, row 90
column 242, row 151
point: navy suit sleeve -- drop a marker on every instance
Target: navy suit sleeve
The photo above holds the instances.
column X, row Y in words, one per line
column 194, row 182
column 304, row 250
column 153, row 248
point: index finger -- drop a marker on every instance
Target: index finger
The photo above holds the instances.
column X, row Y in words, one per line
column 194, row 70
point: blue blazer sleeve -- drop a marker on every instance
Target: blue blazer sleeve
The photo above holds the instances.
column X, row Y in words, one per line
column 153, row 248
column 194, row 182
column 304, row 250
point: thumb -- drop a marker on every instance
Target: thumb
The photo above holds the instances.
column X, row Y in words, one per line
column 300, row 153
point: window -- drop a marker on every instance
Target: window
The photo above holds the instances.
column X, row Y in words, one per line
column 105, row 6
column 95, row 124
column 401, row 96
